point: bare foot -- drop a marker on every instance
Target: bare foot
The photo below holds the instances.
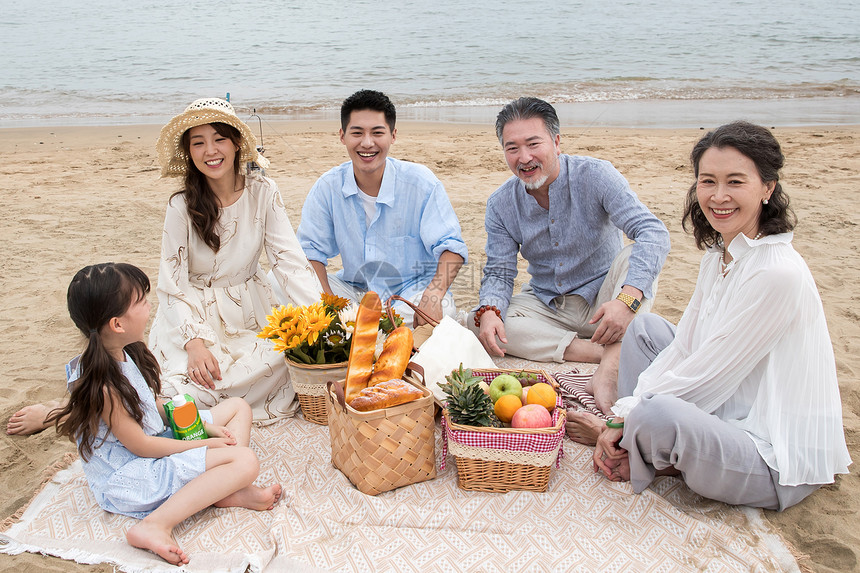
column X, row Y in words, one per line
column 604, row 387
column 253, row 497
column 28, row 420
column 156, row 539
column 583, row 427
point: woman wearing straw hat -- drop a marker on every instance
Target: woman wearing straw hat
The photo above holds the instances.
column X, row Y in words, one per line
column 213, row 294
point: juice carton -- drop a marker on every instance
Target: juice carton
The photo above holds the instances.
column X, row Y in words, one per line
column 184, row 418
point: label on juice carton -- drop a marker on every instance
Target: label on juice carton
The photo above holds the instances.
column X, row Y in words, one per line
column 184, row 418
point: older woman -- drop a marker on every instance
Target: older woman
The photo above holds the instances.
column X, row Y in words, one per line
column 741, row 400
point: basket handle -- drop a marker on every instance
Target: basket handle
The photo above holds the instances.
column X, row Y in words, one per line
column 388, row 308
column 338, row 392
column 416, row 369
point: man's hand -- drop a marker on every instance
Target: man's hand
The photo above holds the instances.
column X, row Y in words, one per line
column 203, row 369
column 492, row 328
column 614, row 316
column 431, row 303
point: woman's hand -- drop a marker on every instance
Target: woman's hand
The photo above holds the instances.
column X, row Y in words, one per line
column 607, row 453
column 203, row 369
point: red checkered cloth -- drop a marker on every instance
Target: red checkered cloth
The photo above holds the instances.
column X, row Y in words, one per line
column 515, row 442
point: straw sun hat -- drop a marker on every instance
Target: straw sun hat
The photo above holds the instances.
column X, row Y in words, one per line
column 171, row 155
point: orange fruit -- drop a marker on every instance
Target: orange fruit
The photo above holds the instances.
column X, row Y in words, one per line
column 506, row 405
column 543, row 394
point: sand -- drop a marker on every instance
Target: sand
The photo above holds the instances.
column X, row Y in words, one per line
column 74, row 196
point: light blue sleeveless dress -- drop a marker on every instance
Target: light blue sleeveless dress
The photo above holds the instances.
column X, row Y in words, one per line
column 123, row 482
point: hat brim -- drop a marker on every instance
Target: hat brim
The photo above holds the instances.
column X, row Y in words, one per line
column 171, row 155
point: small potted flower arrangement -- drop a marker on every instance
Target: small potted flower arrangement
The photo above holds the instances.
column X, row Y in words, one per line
column 316, row 340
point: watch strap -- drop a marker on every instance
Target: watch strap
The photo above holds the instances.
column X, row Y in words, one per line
column 632, row 302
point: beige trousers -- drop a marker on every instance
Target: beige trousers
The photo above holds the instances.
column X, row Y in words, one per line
column 538, row 332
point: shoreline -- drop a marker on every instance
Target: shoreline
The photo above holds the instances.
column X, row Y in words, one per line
column 630, row 114
column 80, row 195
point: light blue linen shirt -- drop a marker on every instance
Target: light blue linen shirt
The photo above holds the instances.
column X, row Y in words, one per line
column 397, row 253
column 570, row 247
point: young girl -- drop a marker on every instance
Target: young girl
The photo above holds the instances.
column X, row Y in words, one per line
column 133, row 465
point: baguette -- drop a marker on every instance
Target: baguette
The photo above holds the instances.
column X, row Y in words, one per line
column 360, row 365
column 396, row 351
column 385, row 394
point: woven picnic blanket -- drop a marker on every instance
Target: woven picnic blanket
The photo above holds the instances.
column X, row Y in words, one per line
column 582, row 523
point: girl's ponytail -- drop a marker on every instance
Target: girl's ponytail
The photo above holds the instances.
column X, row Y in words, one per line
column 97, row 294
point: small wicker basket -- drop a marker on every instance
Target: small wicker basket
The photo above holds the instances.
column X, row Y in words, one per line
column 380, row 450
column 499, row 460
column 309, row 382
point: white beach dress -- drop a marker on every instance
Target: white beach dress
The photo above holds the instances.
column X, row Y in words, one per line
column 124, row 483
column 223, row 298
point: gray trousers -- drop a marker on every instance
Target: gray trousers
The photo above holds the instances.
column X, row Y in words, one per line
column 538, row 332
column 717, row 460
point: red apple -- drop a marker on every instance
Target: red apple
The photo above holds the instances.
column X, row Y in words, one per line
column 531, row 416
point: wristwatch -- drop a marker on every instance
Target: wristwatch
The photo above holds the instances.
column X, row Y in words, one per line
column 631, row 302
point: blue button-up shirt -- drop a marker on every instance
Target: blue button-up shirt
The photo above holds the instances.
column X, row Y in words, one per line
column 570, row 247
column 397, row 253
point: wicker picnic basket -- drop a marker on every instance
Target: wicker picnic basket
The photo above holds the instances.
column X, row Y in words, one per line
column 384, row 449
column 503, row 459
column 309, row 382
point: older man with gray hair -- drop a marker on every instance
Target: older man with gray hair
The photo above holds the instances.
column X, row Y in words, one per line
column 567, row 215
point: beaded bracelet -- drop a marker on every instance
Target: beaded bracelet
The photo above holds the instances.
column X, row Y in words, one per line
column 484, row 309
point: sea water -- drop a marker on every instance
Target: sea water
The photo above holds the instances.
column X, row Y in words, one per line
column 633, row 62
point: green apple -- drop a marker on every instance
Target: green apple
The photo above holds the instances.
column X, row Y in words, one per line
column 505, row 384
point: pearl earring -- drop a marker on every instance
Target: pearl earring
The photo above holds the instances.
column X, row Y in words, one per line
column 764, row 201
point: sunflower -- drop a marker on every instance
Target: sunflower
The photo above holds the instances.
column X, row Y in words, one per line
column 333, row 302
column 288, row 341
column 315, row 319
column 282, row 318
column 320, row 333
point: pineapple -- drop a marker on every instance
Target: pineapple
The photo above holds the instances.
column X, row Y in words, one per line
column 467, row 403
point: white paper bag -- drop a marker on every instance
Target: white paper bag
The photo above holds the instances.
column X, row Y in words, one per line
column 450, row 345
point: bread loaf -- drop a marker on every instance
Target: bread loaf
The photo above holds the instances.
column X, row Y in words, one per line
column 363, row 345
column 392, row 362
column 385, row 394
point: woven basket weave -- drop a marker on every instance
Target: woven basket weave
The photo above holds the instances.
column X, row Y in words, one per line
column 381, row 450
column 513, row 466
column 309, row 382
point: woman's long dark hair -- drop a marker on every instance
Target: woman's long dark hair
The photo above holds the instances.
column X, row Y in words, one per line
column 97, row 294
column 202, row 205
column 759, row 144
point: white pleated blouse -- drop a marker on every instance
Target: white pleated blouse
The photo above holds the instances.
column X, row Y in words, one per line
column 223, row 298
column 753, row 349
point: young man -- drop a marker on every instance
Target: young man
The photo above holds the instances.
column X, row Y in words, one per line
column 566, row 215
column 389, row 220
